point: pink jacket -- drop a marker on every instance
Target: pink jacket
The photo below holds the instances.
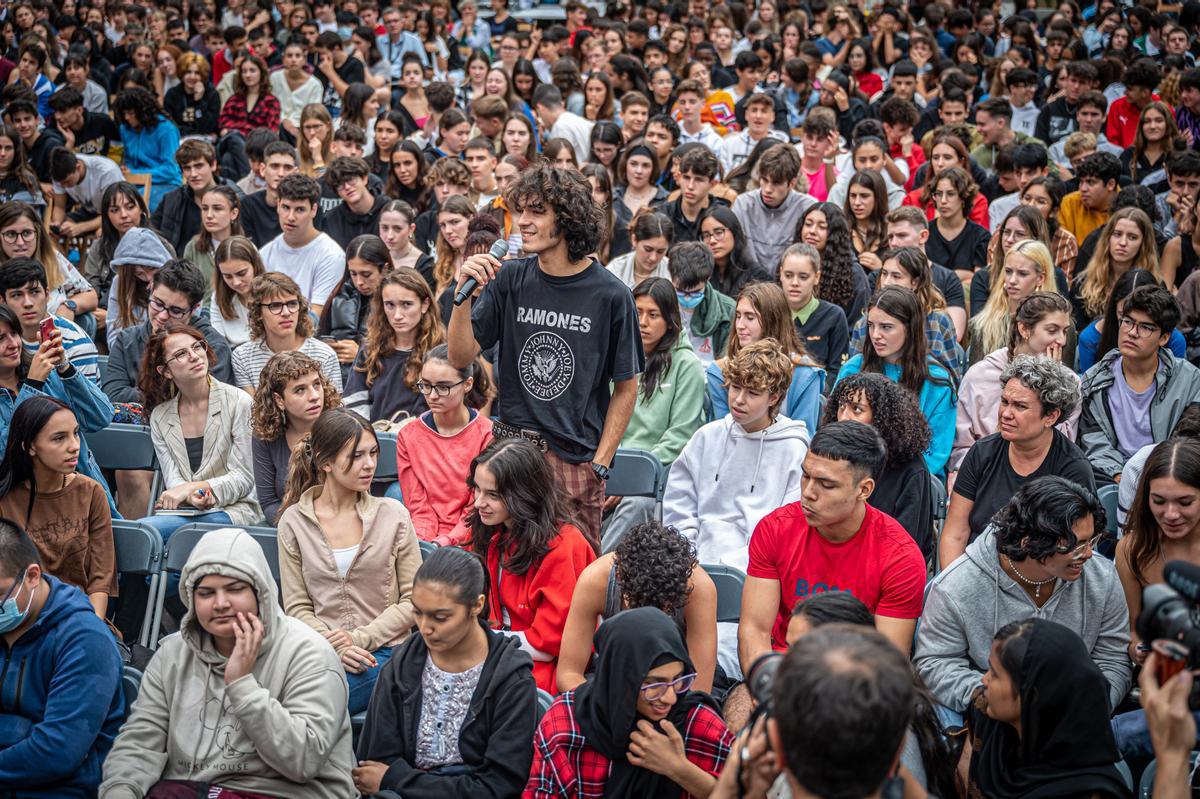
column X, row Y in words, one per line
column 433, row 477
column 979, row 406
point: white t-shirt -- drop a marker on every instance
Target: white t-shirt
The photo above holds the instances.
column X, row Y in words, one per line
column 316, row 267
column 100, row 172
column 576, row 130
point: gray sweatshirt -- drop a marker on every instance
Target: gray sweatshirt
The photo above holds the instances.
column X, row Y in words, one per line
column 769, row 231
column 972, row 599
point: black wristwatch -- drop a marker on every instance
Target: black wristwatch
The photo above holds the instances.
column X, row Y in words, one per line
column 600, row 470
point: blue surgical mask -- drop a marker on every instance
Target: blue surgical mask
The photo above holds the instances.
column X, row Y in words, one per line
column 10, row 616
column 690, row 300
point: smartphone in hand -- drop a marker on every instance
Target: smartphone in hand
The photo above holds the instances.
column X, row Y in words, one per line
column 46, row 329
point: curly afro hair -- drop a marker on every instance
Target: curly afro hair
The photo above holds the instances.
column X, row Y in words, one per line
column 895, row 411
column 568, row 194
column 654, row 566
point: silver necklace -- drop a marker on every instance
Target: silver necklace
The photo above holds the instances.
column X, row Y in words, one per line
column 1037, row 584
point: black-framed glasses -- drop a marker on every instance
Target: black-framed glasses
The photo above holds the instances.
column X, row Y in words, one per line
column 11, row 236
column 277, row 307
column 440, row 389
column 1092, row 544
column 715, row 234
column 173, row 311
column 657, row 690
column 1144, row 329
column 198, row 350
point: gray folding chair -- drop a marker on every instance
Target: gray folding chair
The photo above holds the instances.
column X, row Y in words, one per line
column 127, row 447
column 636, row 473
column 139, row 550
column 729, row 582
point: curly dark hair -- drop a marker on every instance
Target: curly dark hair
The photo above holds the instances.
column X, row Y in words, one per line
column 896, row 414
column 141, row 102
column 654, row 566
column 568, row 194
column 837, row 257
column 1039, row 517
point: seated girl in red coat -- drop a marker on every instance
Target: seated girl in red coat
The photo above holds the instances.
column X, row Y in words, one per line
column 634, row 729
column 533, row 556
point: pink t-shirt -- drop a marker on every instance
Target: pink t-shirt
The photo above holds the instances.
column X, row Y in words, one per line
column 817, row 186
column 881, row 565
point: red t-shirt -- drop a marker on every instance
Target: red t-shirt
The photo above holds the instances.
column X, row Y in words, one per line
column 881, row 565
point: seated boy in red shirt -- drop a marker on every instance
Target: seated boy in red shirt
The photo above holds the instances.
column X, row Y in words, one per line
column 832, row 540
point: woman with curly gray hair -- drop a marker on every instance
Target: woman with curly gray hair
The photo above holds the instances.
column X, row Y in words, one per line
column 653, row 566
column 1037, row 393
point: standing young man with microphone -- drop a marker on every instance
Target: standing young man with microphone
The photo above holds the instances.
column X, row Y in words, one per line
column 566, row 331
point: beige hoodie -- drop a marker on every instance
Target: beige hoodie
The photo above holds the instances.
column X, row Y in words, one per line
column 282, row 730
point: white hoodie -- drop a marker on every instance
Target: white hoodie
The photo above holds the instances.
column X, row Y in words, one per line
column 726, row 480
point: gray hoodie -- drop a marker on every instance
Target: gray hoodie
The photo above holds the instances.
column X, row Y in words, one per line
column 769, row 231
column 972, row 599
column 282, row 730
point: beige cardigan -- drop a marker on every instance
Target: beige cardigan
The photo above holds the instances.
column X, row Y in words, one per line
column 373, row 602
column 227, row 463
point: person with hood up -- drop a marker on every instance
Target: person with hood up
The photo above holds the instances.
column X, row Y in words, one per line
column 706, row 314
column 634, row 729
column 455, row 708
column 670, row 405
column 61, row 702
column 139, row 255
column 1034, row 559
column 1036, row 730
column 243, row 699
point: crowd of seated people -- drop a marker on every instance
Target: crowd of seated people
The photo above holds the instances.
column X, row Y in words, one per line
column 571, row 372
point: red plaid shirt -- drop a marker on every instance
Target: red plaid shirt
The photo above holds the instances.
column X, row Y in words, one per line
column 235, row 115
column 565, row 766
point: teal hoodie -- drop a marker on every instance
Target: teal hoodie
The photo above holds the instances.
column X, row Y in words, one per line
column 664, row 423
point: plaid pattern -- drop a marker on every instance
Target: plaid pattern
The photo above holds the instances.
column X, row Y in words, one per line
column 585, row 495
column 1064, row 249
column 564, row 765
column 939, row 333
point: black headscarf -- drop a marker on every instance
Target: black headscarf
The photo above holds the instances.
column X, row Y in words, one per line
column 628, row 645
column 1066, row 747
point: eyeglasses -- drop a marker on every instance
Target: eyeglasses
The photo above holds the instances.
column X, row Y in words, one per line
column 1092, row 544
column 656, row 690
column 689, row 295
column 276, row 308
column 197, row 351
column 716, row 234
column 438, row 389
column 11, row 236
column 1143, row 328
column 173, row 311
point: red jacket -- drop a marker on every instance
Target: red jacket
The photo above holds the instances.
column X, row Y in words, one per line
column 978, row 213
column 534, row 605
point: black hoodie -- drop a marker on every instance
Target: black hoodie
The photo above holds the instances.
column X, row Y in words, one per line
column 495, row 740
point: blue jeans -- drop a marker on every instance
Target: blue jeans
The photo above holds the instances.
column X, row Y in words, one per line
column 1133, row 738
column 361, row 685
column 167, row 525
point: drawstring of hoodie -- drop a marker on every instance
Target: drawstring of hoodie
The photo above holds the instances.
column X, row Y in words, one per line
column 762, row 438
column 724, row 446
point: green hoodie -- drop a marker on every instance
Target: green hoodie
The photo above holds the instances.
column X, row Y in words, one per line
column 664, row 423
column 714, row 317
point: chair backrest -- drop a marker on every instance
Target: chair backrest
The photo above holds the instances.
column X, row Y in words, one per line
column 102, row 365
column 142, row 179
column 385, row 467
column 139, row 547
column 123, row 446
column 937, row 493
column 179, row 549
column 544, row 700
column 131, row 684
column 1146, row 787
column 1108, row 496
column 729, row 582
column 634, row 473
column 427, row 549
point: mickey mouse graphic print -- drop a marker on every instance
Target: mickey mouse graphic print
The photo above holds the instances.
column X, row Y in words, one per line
column 562, row 342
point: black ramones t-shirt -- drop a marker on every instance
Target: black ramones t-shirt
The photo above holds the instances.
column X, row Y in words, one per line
column 562, row 340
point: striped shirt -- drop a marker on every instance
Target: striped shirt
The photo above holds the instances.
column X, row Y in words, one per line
column 250, row 358
column 80, row 349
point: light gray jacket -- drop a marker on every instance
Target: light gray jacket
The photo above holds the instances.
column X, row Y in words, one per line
column 769, row 231
column 972, row 599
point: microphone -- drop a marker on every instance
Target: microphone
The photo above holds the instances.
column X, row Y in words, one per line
column 499, row 250
column 1184, row 577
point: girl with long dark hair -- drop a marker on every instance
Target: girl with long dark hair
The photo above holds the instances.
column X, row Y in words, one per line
column 637, row 188
column 896, row 348
column 359, row 107
column 651, row 234
column 733, row 268
column 532, row 552
column 343, row 321
column 670, row 406
column 406, row 176
column 1157, row 137
column 824, row 227
column 292, row 392
column 17, row 180
column 402, row 327
column 346, row 559
column 122, row 208
column 472, row 738
column 866, row 208
column 389, row 130
column 65, row 513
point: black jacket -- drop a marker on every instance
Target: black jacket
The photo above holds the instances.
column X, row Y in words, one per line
column 345, row 314
column 125, row 359
column 495, row 740
column 343, row 225
column 177, row 217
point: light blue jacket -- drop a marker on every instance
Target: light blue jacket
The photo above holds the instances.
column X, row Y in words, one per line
column 802, row 403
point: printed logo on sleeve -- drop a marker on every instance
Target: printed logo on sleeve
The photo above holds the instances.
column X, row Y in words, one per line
column 546, row 365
